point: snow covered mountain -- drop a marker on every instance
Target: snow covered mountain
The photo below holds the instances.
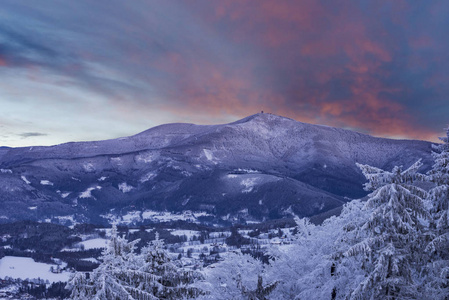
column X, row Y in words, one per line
column 260, row 167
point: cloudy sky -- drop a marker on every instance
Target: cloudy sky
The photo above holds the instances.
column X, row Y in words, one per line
column 89, row 70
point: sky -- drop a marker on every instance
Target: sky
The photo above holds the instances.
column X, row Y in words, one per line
column 93, row 70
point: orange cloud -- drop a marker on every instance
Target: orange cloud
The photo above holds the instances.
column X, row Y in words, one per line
column 317, row 62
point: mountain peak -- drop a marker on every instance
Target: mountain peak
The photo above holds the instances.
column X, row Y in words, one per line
column 261, row 164
column 263, row 117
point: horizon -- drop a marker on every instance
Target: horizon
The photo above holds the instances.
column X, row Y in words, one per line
column 84, row 71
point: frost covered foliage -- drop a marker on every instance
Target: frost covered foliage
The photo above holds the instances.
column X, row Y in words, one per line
column 125, row 275
column 439, row 195
column 170, row 281
column 438, row 268
column 391, row 252
column 237, row 277
column 311, row 267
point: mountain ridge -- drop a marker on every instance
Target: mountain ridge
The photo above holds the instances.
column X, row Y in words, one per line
column 255, row 168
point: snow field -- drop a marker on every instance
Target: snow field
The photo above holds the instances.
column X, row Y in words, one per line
column 25, row 267
column 188, row 233
column 94, row 243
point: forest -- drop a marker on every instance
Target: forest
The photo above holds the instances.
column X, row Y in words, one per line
column 393, row 245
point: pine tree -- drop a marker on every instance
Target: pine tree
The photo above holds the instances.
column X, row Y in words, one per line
column 393, row 243
column 125, row 275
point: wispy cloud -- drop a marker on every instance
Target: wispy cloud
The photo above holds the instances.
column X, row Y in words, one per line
column 379, row 66
column 31, row 134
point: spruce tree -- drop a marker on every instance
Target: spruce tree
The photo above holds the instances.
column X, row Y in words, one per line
column 125, row 275
column 437, row 282
column 439, row 195
column 169, row 280
column 110, row 281
column 393, row 243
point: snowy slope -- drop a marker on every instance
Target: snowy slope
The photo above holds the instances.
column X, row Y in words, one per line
column 256, row 168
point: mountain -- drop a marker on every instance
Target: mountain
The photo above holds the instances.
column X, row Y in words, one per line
column 261, row 167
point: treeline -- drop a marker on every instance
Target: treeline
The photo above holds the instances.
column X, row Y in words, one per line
column 34, row 289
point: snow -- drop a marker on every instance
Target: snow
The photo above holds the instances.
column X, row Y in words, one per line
column 64, row 195
column 133, row 216
column 25, row 267
column 102, row 178
column 91, row 259
column 247, row 171
column 94, row 243
column 87, row 193
column 167, row 216
column 88, row 167
column 248, row 183
column 25, row 179
column 186, row 174
column 252, row 222
column 6, row 171
column 124, row 187
column 117, row 160
column 147, row 177
column 32, row 207
column 13, row 289
column 46, row 182
column 209, row 155
column 154, row 216
column 147, row 157
column 64, row 219
column 189, row 233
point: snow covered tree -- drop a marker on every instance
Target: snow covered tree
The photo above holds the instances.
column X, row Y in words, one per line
column 106, row 282
column 239, row 276
column 311, row 267
column 438, row 270
column 260, row 293
column 392, row 249
column 440, row 172
column 169, row 280
column 439, row 195
column 125, row 275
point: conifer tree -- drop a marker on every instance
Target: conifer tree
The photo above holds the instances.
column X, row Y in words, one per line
column 437, row 282
column 439, row 195
column 125, row 275
column 238, row 277
column 108, row 280
column 169, row 281
column 393, row 244
column 261, row 292
column 313, row 266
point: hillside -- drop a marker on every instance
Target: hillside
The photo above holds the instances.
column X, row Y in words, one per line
column 260, row 167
